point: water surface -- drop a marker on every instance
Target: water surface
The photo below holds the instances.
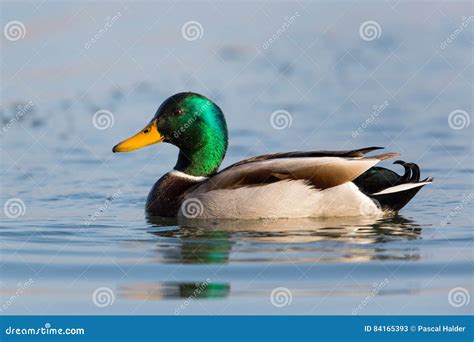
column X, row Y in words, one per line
column 84, row 227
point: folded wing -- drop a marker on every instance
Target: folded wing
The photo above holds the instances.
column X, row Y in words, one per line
column 322, row 172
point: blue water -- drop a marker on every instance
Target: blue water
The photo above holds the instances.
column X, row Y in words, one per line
column 83, row 227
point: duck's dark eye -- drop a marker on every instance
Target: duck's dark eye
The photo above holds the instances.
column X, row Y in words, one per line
column 178, row 112
column 146, row 131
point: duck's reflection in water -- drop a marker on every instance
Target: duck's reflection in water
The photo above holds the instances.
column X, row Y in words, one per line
column 270, row 241
column 174, row 290
column 285, row 240
column 194, row 245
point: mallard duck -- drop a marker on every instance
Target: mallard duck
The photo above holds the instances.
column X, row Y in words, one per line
column 279, row 185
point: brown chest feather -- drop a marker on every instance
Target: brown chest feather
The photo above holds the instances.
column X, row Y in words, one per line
column 167, row 194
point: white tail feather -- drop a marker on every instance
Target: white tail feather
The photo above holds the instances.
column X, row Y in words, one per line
column 401, row 187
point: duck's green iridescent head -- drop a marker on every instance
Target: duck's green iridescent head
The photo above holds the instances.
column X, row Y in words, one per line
column 194, row 124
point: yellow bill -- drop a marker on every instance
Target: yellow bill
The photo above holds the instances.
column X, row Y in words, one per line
column 147, row 136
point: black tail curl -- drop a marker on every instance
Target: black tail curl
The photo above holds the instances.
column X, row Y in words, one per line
column 412, row 172
column 378, row 179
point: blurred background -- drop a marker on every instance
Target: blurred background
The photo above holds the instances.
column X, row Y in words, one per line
column 78, row 77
